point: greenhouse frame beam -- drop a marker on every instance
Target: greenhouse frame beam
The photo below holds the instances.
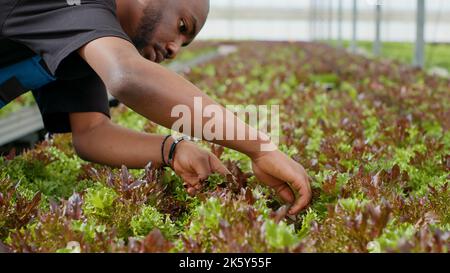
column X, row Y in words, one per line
column 340, row 19
column 354, row 44
column 419, row 56
column 330, row 20
column 313, row 20
column 378, row 18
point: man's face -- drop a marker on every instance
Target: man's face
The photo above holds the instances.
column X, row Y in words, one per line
column 168, row 25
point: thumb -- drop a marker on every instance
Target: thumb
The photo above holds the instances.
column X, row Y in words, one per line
column 217, row 166
column 202, row 169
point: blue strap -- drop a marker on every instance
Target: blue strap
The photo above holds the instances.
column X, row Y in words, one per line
column 30, row 73
column 26, row 75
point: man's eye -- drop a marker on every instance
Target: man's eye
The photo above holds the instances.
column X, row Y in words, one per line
column 183, row 27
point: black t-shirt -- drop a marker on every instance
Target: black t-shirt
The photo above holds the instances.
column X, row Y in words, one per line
column 55, row 30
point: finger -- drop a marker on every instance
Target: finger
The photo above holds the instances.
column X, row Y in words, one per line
column 285, row 192
column 296, row 176
column 191, row 191
column 190, row 180
column 198, row 187
column 217, row 166
column 202, row 169
column 301, row 186
column 282, row 189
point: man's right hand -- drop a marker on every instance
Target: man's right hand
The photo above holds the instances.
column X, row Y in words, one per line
column 287, row 177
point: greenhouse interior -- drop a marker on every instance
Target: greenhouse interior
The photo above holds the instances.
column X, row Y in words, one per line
column 359, row 98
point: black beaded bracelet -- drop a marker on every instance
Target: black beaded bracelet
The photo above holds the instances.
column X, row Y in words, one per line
column 172, row 149
column 162, row 151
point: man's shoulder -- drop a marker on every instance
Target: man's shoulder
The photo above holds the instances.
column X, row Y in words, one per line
column 56, row 29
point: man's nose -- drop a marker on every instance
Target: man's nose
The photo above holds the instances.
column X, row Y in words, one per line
column 172, row 49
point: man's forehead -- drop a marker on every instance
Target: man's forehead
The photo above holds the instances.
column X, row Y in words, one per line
column 199, row 9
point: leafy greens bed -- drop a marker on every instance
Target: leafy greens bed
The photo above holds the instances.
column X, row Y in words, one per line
column 373, row 136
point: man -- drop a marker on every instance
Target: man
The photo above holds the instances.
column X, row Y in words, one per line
column 72, row 51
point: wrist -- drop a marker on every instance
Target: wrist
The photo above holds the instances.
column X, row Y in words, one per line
column 172, row 151
column 255, row 155
column 165, row 150
column 260, row 147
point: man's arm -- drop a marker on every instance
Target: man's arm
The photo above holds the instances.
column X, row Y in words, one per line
column 97, row 139
column 152, row 91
